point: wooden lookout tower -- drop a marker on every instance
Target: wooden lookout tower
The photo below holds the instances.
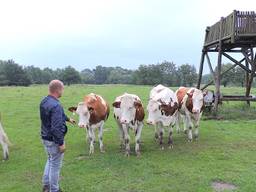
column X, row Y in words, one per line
column 234, row 34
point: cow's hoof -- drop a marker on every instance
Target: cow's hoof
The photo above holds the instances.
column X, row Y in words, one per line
column 127, row 154
column 91, row 152
column 102, row 151
column 170, row 147
column 189, row 140
column 138, row 154
column 162, row 148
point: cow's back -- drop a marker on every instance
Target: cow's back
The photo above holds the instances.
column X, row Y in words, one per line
column 181, row 93
column 100, row 106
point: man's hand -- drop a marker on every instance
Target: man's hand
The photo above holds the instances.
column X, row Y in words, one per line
column 62, row 148
column 72, row 121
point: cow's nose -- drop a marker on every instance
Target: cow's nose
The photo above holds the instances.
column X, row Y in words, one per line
column 124, row 121
column 195, row 111
column 149, row 122
column 81, row 125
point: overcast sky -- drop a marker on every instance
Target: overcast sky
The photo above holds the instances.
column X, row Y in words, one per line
column 127, row 33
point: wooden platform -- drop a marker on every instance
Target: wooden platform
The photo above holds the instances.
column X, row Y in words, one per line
column 236, row 30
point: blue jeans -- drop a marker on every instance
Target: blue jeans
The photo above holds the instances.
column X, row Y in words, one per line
column 52, row 166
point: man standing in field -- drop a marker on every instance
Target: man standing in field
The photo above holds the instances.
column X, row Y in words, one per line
column 53, row 130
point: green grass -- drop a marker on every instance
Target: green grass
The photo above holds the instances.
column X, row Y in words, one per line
column 226, row 150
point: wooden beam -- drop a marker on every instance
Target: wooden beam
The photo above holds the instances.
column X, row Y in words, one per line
column 238, row 98
column 235, row 61
column 223, row 73
column 210, row 65
column 218, row 71
column 200, row 70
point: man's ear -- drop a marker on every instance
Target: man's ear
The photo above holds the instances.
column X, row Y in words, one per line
column 72, row 109
column 116, row 104
column 204, row 94
column 137, row 104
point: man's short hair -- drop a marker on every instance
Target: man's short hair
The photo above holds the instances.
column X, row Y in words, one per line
column 55, row 85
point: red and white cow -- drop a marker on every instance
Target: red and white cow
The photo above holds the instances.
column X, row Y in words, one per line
column 129, row 113
column 162, row 111
column 4, row 142
column 191, row 105
column 93, row 112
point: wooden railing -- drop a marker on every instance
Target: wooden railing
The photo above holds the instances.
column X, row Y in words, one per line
column 237, row 24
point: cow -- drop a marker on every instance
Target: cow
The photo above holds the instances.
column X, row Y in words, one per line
column 4, row 142
column 162, row 111
column 129, row 113
column 93, row 112
column 191, row 105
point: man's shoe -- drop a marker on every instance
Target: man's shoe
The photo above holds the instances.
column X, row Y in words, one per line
column 46, row 188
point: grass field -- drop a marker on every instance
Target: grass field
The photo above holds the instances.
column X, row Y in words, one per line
column 225, row 152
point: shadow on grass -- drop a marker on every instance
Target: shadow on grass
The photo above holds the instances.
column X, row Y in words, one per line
column 238, row 111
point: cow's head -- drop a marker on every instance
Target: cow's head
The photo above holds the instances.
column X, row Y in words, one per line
column 128, row 105
column 159, row 111
column 195, row 102
column 84, row 112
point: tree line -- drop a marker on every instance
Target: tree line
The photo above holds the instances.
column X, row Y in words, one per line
column 167, row 73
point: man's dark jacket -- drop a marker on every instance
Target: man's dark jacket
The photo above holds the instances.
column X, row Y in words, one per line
column 53, row 120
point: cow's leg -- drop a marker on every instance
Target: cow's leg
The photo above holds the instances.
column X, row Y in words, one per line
column 137, row 138
column 156, row 131
column 170, row 140
column 87, row 135
column 126, row 139
column 5, row 149
column 161, row 135
column 190, row 126
column 101, row 138
column 92, row 139
column 185, row 124
column 197, row 121
column 121, row 133
column 177, row 122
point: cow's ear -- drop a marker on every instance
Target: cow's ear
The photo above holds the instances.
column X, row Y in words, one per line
column 72, row 109
column 190, row 95
column 204, row 93
column 90, row 109
column 137, row 104
column 116, row 104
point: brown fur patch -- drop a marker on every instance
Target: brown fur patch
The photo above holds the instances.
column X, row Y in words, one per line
column 98, row 111
column 168, row 109
column 181, row 94
column 140, row 114
column 189, row 104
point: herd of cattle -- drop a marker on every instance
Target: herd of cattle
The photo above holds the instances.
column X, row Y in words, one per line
column 165, row 109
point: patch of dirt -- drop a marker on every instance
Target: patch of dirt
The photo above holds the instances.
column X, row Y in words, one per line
column 221, row 186
column 82, row 157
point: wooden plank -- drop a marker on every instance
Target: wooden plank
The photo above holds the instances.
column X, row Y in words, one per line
column 235, row 61
column 201, row 69
column 223, row 73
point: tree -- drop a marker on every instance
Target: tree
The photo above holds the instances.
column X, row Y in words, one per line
column 229, row 76
column 70, row 76
column 187, row 75
column 169, row 73
column 101, row 74
column 87, row 76
column 13, row 74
